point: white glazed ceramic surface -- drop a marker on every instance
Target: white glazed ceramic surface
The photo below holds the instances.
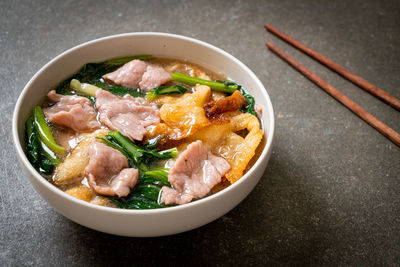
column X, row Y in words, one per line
column 142, row 223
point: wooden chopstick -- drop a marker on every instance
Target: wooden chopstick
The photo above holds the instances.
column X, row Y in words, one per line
column 391, row 100
column 362, row 113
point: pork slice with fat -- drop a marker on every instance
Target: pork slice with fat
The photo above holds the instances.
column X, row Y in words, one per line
column 128, row 115
column 72, row 111
column 154, row 77
column 108, row 172
column 195, row 172
column 128, row 75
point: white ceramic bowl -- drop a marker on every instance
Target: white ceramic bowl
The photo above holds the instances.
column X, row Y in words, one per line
column 142, row 223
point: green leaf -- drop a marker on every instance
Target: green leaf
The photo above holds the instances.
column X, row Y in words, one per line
column 249, row 108
column 164, row 90
column 159, row 174
column 136, row 202
column 121, row 91
column 32, row 140
column 148, row 191
column 148, row 180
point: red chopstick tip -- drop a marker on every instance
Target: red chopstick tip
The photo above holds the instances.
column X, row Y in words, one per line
column 267, row 26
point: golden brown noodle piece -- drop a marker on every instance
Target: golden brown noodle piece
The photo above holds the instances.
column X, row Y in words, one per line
column 230, row 103
column 87, row 194
column 223, row 141
column 102, row 201
column 185, row 115
column 81, row 192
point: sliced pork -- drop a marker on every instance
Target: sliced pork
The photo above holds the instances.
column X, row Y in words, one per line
column 195, row 172
column 128, row 75
column 108, row 172
column 72, row 111
column 128, row 115
column 137, row 73
column 154, row 77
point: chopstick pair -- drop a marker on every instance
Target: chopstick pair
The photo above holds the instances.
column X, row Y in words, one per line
column 362, row 113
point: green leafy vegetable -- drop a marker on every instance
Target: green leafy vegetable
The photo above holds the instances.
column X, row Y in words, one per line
column 41, row 157
column 154, row 181
column 137, row 151
column 134, row 151
column 159, row 174
column 148, row 191
column 249, row 108
column 145, row 194
column 136, row 202
column 44, row 131
column 121, row 91
column 164, row 90
column 32, row 140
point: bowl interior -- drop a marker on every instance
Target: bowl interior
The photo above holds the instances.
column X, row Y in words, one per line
column 156, row 44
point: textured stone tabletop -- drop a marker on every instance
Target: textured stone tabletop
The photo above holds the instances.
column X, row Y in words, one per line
column 331, row 192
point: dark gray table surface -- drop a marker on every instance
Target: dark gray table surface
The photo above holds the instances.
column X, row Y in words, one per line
column 331, row 192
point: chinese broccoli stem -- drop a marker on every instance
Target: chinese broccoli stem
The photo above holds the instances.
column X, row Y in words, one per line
column 136, row 151
column 84, row 88
column 165, row 154
column 44, row 131
column 49, row 154
column 225, row 87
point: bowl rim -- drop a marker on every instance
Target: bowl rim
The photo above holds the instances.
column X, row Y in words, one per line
column 24, row 160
